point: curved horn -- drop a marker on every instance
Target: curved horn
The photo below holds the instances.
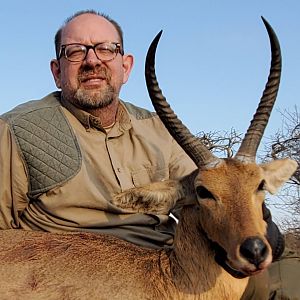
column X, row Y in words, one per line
column 250, row 143
column 190, row 144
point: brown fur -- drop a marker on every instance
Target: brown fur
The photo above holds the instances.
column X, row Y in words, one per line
column 36, row 265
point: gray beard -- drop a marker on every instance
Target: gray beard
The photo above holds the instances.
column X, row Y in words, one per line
column 89, row 99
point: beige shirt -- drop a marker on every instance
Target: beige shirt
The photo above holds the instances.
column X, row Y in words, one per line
column 136, row 151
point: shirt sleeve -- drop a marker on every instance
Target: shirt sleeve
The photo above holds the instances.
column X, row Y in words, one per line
column 13, row 180
column 180, row 163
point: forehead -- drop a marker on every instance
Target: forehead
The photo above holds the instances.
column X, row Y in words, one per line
column 89, row 29
column 230, row 174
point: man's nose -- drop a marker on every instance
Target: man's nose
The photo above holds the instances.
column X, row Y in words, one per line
column 91, row 58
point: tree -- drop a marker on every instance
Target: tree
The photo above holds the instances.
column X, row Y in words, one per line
column 221, row 143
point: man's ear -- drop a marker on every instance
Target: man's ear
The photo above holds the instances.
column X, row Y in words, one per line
column 277, row 172
column 127, row 66
column 55, row 69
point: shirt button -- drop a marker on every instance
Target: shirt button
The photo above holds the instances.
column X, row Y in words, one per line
column 119, row 170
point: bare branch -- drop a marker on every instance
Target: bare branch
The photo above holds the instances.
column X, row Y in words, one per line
column 221, row 143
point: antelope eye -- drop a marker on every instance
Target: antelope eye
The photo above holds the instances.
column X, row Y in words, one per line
column 261, row 186
column 204, row 193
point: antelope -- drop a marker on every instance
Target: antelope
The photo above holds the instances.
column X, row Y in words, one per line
column 219, row 242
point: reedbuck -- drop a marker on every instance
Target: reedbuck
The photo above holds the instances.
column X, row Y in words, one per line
column 219, row 241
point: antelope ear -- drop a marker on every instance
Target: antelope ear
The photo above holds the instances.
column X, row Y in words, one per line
column 277, row 172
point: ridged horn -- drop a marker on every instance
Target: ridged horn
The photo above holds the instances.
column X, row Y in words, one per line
column 189, row 143
column 253, row 136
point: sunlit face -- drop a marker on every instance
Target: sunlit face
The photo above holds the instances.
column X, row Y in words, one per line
column 91, row 84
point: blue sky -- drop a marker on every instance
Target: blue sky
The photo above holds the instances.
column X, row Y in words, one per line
column 212, row 61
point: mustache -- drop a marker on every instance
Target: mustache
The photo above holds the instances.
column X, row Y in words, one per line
column 98, row 71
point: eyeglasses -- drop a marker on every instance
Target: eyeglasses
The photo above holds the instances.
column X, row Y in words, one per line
column 77, row 52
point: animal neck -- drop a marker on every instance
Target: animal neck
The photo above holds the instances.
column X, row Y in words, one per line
column 193, row 264
column 192, row 256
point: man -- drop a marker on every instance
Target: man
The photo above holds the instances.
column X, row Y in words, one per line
column 63, row 157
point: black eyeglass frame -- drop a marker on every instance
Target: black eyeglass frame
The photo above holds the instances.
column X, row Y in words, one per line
column 62, row 50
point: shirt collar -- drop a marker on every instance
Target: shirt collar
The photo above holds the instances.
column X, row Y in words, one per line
column 90, row 121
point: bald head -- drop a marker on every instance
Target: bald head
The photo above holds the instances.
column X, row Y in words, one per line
column 84, row 17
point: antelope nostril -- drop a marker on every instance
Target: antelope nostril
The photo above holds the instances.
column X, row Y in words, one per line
column 254, row 250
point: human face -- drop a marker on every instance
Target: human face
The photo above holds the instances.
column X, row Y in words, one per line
column 91, row 84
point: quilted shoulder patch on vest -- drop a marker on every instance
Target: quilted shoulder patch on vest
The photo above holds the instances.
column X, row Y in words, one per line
column 48, row 146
